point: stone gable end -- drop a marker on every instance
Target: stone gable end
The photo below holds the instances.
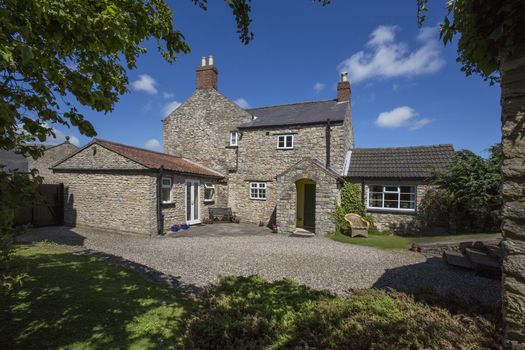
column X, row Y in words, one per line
column 97, row 157
column 199, row 129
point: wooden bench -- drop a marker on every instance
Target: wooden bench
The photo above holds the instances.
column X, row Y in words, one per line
column 221, row 214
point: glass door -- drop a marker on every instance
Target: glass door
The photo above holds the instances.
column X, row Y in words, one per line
column 192, row 202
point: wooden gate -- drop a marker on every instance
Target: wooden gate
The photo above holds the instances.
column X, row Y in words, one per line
column 49, row 211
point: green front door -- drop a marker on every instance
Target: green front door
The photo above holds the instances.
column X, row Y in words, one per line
column 309, row 205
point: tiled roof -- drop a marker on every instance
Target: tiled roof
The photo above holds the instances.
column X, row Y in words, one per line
column 399, row 162
column 155, row 160
column 297, row 114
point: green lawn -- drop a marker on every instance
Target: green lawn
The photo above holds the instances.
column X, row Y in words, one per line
column 388, row 241
column 80, row 302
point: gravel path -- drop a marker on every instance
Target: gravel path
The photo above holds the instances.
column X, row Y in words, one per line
column 318, row 262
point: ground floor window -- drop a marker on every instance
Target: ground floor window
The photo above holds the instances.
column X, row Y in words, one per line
column 209, row 192
column 258, row 190
column 392, row 197
column 166, row 189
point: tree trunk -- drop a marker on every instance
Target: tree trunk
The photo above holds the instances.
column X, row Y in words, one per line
column 513, row 139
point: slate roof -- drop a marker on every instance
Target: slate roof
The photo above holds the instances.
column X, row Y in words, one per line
column 398, row 162
column 154, row 160
column 296, row 114
column 12, row 160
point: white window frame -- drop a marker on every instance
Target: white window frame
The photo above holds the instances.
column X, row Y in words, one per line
column 168, row 186
column 285, row 138
column 208, row 186
column 398, row 192
column 234, row 138
column 258, row 186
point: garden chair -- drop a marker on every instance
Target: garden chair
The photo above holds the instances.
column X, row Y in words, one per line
column 358, row 225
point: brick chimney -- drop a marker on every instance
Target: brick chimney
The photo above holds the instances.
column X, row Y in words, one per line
column 343, row 88
column 207, row 74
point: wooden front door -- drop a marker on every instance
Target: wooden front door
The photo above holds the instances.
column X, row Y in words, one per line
column 309, row 206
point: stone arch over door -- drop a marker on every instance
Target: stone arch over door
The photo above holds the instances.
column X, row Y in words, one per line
column 327, row 183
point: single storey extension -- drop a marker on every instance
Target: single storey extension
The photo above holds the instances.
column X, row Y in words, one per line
column 123, row 188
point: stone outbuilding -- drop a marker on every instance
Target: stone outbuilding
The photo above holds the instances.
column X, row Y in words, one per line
column 123, row 188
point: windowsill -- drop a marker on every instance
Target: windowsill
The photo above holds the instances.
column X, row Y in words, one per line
column 284, row 149
column 391, row 210
column 231, row 146
column 167, row 204
column 257, row 199
column 209, row 201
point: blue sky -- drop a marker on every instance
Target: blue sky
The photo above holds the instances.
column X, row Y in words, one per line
column 407, row 88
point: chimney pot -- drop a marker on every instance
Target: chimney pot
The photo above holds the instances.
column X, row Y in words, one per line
column 210, row 61
column 343, row 88
column 203, row 61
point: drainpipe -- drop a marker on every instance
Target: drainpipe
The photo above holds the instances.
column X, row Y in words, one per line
column 363, row 190
column 327, row 142
column 160, row 219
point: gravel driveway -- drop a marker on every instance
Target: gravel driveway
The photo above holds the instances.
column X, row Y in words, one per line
column 318, row 262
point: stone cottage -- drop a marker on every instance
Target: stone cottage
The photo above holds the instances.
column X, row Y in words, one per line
column 11, row 160
column 281, row 164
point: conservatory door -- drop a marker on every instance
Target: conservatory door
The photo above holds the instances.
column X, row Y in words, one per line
column 192, row 202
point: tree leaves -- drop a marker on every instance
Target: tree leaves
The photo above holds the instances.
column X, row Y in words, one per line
column 488, row 31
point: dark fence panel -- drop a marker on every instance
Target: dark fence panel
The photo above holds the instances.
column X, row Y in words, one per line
column 50, row 210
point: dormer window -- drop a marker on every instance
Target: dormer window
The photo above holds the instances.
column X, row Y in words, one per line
column 285, row 142
column 234, row 138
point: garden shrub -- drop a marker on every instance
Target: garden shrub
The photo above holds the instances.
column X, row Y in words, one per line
column 250, row 313
column 350, row 203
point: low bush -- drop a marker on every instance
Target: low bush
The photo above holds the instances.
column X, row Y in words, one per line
column 250, row 313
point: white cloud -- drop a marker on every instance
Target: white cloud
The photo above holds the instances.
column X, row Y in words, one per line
column 167, row 95
column 401, row 117
column 145, row 83
column 170, row 107
column 318, row 87
column 60, row 137
column 395, row 118
column 419, row 124
column 242, row 103
column 153, row 145
column 383, row 57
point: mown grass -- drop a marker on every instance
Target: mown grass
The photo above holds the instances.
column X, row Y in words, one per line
column 391, row 241
column 79, row 302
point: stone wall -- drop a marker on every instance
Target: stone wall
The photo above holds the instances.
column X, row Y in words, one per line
column 52, row 155
column 175, row 213
column 326, row 197
column 261, row 161
column 98, row 157
column 121, row 201
column 199, row 129
column 399, row 222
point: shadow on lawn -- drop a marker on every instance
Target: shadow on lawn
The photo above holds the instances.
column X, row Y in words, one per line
column 455, row 289
column 74, row 300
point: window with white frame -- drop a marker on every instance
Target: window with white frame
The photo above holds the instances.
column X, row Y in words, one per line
column 392, row 197
column 258, row 190
column 209, row 192
column 234, row 138
column 285, row 142
column 166, row 189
